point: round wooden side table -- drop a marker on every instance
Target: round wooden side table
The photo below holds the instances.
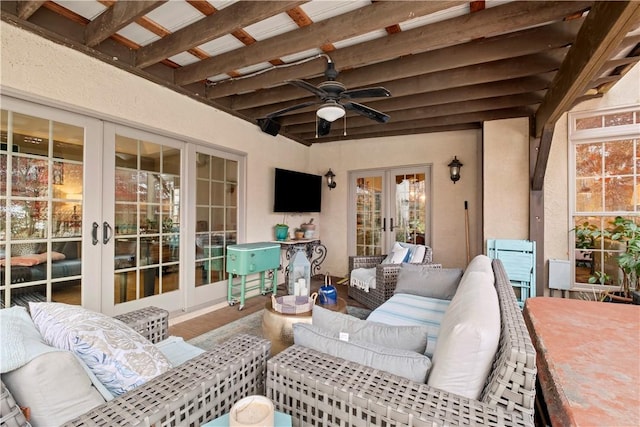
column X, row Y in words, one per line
column 278, row 327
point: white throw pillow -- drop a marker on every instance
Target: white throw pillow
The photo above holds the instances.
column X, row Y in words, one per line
column 468, row 338
column 54, row 387
column 397, row 255
column 20, row 341
column 121, row 358
column 418, row 254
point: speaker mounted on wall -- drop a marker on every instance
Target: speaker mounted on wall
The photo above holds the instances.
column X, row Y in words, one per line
column 269, row 126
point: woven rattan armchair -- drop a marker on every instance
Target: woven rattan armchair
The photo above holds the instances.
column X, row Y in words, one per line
column 386, row 278
column 318, row 389
column 190, row 394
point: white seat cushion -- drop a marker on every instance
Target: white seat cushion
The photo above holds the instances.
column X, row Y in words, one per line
column 468, row 339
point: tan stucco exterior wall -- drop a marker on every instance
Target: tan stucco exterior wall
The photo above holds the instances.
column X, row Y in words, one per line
column 556, row 183
column 437, row 150
column 506, row 179
column 41, row 70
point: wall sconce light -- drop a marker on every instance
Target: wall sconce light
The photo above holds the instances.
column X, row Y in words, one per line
column 454, row 169
column 330, row 182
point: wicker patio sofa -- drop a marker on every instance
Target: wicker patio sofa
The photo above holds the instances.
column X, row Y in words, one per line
column 190, row 394
column 318, row 389
column 386, row 278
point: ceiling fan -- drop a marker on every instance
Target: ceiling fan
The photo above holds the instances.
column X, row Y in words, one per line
column 335, row 100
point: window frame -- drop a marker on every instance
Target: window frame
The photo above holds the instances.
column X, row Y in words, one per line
column 601, row 134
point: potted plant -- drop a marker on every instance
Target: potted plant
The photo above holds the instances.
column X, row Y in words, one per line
column 298, row 233
column 626, row 231
column 282, row 230
column 308, row 228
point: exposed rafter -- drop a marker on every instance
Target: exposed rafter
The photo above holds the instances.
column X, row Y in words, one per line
column 449, row 65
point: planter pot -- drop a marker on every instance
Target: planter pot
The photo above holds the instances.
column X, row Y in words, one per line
column 282, row 232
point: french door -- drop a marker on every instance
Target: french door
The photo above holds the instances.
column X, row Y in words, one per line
column 98, row 214
column 49, row 160
column 386, row 206
column 142, row 219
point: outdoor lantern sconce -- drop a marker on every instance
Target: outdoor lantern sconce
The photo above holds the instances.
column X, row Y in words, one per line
column 454, row 169
column 330, row 182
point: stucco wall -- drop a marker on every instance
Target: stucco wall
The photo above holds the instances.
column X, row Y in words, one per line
column 506, row 179
column 437, row 149
column 56, row 75
column 556, row 191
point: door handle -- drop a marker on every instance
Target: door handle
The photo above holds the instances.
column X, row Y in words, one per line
column 106, row 232
column 384, row 224
column 391, row 225
column 94, row 233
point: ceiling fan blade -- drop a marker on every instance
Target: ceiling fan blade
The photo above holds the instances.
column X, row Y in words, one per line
column 324, row 127
column 293, row 107
column 367, row 92
column 369, row 112
column 308, row 86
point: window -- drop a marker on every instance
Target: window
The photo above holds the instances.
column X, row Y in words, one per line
column 605, row 183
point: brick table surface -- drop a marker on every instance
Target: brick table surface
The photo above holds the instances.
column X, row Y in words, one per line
column 588, row 356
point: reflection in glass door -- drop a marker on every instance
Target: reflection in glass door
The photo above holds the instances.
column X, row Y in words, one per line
column 369, row 215
column 408, row 224
column 41, row 203
column 146, row 226
column 216, row 216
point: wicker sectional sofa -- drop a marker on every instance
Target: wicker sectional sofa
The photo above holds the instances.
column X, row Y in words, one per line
column 190, row 394
column 319, row 389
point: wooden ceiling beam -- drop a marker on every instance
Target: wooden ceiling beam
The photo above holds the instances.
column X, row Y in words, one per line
column 604, row 28
column 224, row 21
column 409, row 131
column 116, row 17
column 457, row 119
column 27, row 8
column 445, row 96
column 475, row 74
column 455, row 108
column 486, row 23
column 351, row 24
column 489, row 49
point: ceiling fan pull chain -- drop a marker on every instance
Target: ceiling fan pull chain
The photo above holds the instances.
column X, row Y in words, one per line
column 316, row 126
column 344, row 126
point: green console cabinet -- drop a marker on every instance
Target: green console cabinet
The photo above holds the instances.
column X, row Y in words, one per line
column 249, row 259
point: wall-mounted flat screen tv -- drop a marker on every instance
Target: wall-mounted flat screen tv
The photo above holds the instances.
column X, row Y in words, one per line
column 297, row 192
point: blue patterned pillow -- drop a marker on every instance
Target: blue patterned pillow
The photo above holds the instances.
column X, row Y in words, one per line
column 120, row 358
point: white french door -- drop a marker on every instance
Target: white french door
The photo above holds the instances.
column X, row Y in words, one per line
column 142, row 219
column 111, row 217
column 386, row 206
column 49, row 162
column 216, row 200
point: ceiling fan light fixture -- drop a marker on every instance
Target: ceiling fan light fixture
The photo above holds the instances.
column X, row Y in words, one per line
column 331, row 111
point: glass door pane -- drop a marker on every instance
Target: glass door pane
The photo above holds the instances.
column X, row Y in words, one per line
column 409, row 221
column 216, row 216
column 146, row 225
column 369, row 215
column 41, row 203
